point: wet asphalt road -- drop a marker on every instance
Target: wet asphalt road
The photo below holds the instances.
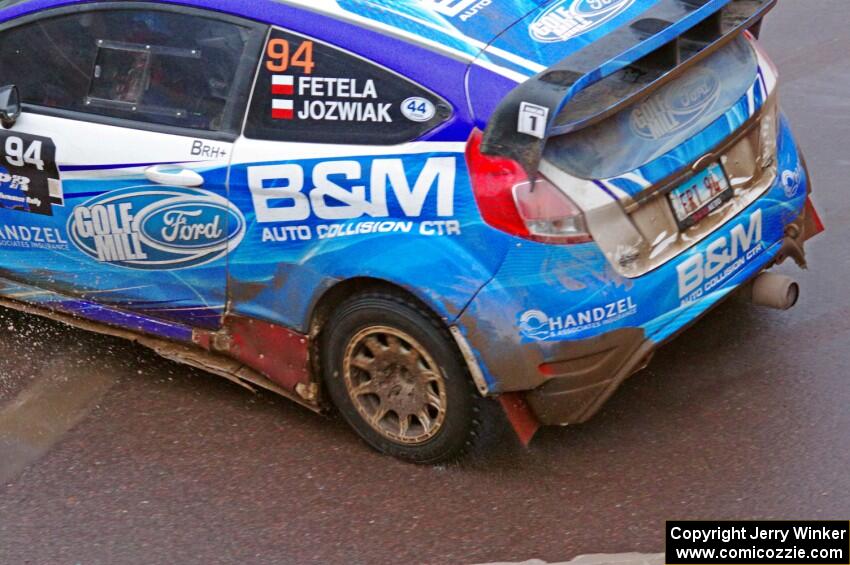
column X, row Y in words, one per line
column 744, row 416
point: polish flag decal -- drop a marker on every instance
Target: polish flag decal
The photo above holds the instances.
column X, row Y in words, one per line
column 283, row 109
column 283, row 85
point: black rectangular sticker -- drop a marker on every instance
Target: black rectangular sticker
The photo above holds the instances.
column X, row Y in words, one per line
column 29, row 177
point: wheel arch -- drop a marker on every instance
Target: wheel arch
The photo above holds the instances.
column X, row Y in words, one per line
column 331, row 297
column 327, row 301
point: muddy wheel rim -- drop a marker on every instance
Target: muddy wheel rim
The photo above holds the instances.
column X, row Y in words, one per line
column 395, row 385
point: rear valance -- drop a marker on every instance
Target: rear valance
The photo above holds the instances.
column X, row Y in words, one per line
column 618, row 70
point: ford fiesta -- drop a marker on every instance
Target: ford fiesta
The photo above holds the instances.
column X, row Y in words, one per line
column 409, row 210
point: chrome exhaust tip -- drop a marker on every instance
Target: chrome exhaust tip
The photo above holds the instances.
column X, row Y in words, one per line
column 775, row 291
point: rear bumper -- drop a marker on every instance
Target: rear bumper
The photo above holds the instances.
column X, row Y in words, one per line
column 559, row 327
column 589, row 373
column 592, row 370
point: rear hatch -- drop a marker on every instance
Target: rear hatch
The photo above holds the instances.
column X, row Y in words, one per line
column 654, row 116
column 592, row 59
column 672, row 116
column 678, row 164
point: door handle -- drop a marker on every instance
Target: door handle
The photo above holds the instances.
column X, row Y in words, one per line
column 173, row 175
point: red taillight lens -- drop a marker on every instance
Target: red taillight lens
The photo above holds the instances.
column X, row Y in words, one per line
column 493, row 180
column 510, row 202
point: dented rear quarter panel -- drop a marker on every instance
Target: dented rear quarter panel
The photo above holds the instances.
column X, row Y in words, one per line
column 442, row 258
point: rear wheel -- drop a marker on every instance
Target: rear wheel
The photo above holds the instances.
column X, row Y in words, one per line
column 393, row 372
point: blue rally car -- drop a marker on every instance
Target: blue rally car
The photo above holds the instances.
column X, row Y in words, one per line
column 411, row 210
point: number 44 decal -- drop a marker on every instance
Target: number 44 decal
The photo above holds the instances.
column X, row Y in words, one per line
column 418, row 109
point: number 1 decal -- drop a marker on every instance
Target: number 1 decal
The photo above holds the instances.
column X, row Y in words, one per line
column 533, row 120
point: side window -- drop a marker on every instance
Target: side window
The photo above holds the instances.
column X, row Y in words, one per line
column 154, row 66
column 310, row 92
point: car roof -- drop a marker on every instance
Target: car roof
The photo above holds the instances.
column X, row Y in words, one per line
column 438, row 25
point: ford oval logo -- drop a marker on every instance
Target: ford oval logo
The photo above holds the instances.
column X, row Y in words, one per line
column 156, row 228
column 677, row 106
column 567, row 19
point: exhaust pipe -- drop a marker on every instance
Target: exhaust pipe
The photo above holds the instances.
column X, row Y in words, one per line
column 775, row 291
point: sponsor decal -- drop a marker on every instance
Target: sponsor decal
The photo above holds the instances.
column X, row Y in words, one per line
column 723, row 258
column 32, row 237
column 156, row 228
column 568, row 19
column 677, row 106
column 14, row 191
column 361, row 196
column 791, row 182
column 283, row 234
column 539, row 326
column 211, row 152
column 450, row 8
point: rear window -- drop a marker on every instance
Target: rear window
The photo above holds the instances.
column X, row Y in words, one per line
column 311, row 92
column 676, row 113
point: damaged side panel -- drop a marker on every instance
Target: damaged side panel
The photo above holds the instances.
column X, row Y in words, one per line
column 408, row 219
column 234, row 354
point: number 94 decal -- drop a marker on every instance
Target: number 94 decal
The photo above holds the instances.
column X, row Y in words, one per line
column 29, row 177
column 19, row 153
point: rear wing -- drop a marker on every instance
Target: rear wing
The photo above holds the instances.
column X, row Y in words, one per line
column 617, row 71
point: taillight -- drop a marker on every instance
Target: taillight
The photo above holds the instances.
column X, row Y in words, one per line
column 769, row 128
column 510, row 202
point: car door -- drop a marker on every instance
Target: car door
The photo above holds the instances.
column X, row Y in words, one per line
column 114, row 179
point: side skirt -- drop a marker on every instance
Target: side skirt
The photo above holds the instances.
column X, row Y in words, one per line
column 241, row 353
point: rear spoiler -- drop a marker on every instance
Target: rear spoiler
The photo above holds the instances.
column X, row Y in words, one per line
column 628, row 64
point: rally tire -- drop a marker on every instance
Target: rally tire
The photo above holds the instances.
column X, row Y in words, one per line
column 385, row 359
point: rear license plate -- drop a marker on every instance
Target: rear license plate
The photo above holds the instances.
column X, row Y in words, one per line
column 700, row 196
